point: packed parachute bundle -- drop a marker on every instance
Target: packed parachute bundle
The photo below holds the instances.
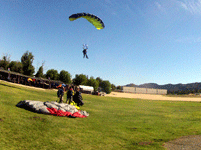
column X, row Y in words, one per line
column 96, row 21
column 54, row 108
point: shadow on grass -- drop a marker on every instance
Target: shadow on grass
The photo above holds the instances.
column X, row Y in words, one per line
column 10, row 86
column 31, row 110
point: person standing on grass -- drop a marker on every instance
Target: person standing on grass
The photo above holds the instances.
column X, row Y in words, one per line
column 69, row 95
column 77, row 98
column 60, row 94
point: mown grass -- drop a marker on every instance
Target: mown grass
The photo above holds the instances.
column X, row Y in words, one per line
column 114, row 123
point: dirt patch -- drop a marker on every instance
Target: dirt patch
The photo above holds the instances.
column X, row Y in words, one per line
column 192, row 142
column 152, row 97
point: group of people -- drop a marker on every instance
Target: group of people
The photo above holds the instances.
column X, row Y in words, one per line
column 73, row 95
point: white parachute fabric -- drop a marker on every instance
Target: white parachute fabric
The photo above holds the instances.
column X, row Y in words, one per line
column 48, row 107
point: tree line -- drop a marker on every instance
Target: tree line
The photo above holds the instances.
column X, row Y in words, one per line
column 25, row 66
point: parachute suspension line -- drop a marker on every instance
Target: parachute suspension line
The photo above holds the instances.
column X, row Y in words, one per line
column 85, row 46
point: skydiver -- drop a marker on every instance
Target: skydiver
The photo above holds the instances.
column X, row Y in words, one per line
column 85, row 51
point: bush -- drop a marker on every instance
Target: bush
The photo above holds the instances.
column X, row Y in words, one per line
column 106, row 86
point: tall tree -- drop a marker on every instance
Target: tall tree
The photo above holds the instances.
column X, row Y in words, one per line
column 52, row 74
column 106, row 86
column 93, row 82
column 119, row 87
column 80, row 79
column 65, row 77
column 40, row 71
column 4, row 62
column 99, row 80
column 15, row 66
column 27, row 60
column 113, row 87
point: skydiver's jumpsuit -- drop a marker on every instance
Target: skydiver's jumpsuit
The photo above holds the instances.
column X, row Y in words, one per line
column 60, row 94
column 69, row 96
column 85, row 53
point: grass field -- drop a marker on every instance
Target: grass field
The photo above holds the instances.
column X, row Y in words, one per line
column 113, row 123
column 184, row 95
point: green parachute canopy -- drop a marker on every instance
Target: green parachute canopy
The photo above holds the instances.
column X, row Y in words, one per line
column 96, row 21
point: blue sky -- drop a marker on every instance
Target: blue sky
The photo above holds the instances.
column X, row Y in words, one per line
column 144, row 41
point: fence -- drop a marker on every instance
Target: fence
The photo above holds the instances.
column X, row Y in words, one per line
column 138, row 90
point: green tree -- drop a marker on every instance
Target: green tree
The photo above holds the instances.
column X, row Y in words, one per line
column 27, row 60
column 106, row 86
column 16, row 66
column 65, row 77
column 5, row 61
column 80, row 79
column 40, row 72
column 99, row 80
column 93, row 82
column 113, row 87
column 119, row 87
column 52, row 74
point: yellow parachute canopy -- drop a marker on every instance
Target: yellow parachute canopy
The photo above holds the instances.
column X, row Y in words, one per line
column 29, row 79
column 96, row 21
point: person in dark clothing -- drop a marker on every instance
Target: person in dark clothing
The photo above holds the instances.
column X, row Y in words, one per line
column 77, row 98
column 69, row 95
column 85, row 47
column 60, row 94
column 85, row 53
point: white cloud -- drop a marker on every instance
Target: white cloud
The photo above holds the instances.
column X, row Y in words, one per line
column 192, row 6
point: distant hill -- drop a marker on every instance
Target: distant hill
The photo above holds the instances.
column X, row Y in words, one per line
column 170, row 87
